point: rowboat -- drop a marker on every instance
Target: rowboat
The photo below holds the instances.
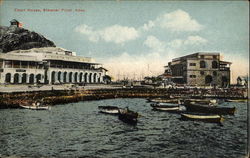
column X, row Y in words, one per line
column 236, row 100
column 202, row 101
column 159, row 100
column 128, row 116
column 36, row 107
column 109, row 109
column 174, row 108
column 204, row 118
column 209, row 109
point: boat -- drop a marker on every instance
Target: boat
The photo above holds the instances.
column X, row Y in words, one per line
column 128, row 116
column 203, row 101
column 202, row 117
column 36, row 107
column 172, row 109
column 236, row 100
column 209, row 108
column 159, row 100
column 109, row 109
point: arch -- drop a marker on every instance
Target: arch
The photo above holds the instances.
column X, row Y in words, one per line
column 38, row 78
column 90, row 78
column 16, row 78
column 75, row 77
column 53, row 77
column 224, row 81
column 208, row 79
column 59, row 74
column 94, row 78
column 214, row 64
column 24, row 78
column 70, row 76
column 81, row 77
column 8, row 78
column 202, row 64
column 65, row 77
column 31, row 78
column 86, row 77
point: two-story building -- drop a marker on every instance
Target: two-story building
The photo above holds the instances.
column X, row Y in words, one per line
column 48, row 65
column 200, row 69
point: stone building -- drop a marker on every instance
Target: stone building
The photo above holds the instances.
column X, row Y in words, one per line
column 201, row 69
column 48, row 65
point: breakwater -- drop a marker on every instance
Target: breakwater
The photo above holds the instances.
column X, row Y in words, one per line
column 53, row 97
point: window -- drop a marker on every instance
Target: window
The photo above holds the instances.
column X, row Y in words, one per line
column 202, row 72
column 215, row 73
column 214, row 65
column 214, row 56
column 202, row 56
column 192, row 76
column 202, row 64
column 192, row 64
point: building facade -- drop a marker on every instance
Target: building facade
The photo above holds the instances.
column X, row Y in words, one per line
column 48, row 65
column 201, row 69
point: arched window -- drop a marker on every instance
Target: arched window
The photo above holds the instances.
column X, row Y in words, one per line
column 24, row 78
column 70, row 77
column 31, row 78
column 208, row 79
column 16, row 78
column 53, row 77
column 214, row 65
column 202, row 64
column 65, row 77
column 38, row 78
column 7, row 78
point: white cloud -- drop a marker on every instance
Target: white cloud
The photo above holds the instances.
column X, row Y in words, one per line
column 195, row 40
column 154, row 43
column 116, row 33
column 176, row 21
column 191, row 40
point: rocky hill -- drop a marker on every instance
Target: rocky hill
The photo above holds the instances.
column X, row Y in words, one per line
column 16, row 38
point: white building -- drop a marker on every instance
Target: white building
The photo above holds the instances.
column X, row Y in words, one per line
column 48, row 65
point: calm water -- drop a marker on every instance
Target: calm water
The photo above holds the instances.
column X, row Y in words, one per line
column 74, row 130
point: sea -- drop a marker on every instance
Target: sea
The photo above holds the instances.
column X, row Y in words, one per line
column 79, row 130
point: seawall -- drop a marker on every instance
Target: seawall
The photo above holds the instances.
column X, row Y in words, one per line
column 53, row 97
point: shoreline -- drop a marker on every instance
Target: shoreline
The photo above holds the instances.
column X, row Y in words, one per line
column 56, row 95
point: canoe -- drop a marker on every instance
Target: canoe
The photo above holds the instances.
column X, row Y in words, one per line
column 128, row 116
column 35, row 107
column 209, row 109
column 177, row 109
column 204, row 118
column 202, row 101
column 109, row 109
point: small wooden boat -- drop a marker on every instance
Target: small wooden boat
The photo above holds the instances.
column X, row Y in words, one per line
column 35, row 107
column 159, row 100
column 204, row 118
column 177, row 109
column 109, row 109
column 128, row 116
column 202, row 101
column 209, row 109
column 236, row 100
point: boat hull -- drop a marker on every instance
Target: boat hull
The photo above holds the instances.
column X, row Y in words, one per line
column 35, row 107
column 203, row 118
column 210, row 109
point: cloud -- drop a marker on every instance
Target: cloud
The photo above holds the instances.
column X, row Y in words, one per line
column 115, row 34
column 176, row 21
column 154, row 43
column 190, row 40
column 195, row 40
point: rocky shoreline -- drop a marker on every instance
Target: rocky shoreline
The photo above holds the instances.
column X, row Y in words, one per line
column 53, row 97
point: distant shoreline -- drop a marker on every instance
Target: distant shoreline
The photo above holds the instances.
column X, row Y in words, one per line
column 62, row 95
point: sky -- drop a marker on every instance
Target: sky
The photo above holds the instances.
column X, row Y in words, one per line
column 134, row 39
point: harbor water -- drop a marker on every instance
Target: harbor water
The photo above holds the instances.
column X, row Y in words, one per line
column 79, row 130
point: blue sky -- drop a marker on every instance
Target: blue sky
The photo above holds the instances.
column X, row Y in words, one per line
column 137, row 38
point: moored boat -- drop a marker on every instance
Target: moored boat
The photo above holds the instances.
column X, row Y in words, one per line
column 209, row 109
column 35, row 107
column 202, row 117
column 128, row 116
column 159, row 100
column 236, row 100
column 109, row 109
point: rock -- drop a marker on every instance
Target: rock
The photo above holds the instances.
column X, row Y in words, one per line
column 16, row 38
